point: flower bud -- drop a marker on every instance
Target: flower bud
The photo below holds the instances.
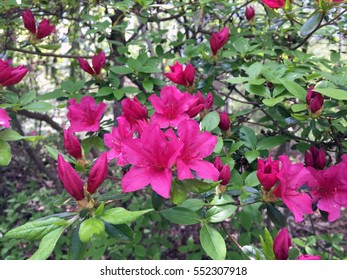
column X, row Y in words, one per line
column 281, row 245
column 224, row 123
column 225, row 175
column 250, row 13
column 72, row 145
column 218, row 163
column 314, row 102
column 29, row 21
column 98, row 173
column 267, row 172
column 181, row 77
column 70, row 179
column 218, row 40
column 208, row 101
column 315, row 157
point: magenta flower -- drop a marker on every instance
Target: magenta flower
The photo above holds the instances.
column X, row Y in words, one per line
column 267, row 172
column 152, row 156
column 273, row 4
column 292, row 177
column 329, row 188
column 98, row 173
column 224, row 123
column 44, row 28
column 115, row 139
column 86, row 115
column 308, row 257
column 315, row 157
column 197, row 105
column 281, row 245
column 4, row 118
column 70, row 179
column 250, row 13
column 98, row 63
column 72, row 145
column 197, row 145
column 171, row 107
column 134, row 111
column 10, row 76
column 219, row 39
column 181, row 77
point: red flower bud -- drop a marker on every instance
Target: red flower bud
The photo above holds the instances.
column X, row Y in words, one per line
column 315, row 157
column 209, row 101
column 29, row 21
column 72, row 145
column 224, row 123
column 70, row 179
column 98, row 63
column 218, row 40
column 225, row 175
column 9, row 75
column 98, row 173
column 314, row 102
column 250, row 13
column 281, row 245
column 44, row 29
column 218, row 163
column 180, row 77
column 267, row 172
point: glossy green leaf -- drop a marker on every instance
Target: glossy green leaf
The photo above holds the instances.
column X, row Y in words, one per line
column 248, row 136
column 119, row 232
column 90, row 227
column 218, row 214
column 276, row 216
column 181, row 216
column 271, row 142
column 178, row 192
column 197, row 186
column 121, row 70
column 77, row 247
column 295, row 89
column 5, row 153
column 39, row 106
column 193, row 204
column 334, row 93
column 251, row 155
column 311, row 24
column 267, row 245
column 120, row 215
column 210, row 121
column 253, row 253
column 213, row 243
column 27, row 97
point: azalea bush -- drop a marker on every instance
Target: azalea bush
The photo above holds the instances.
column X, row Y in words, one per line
column 221, row 122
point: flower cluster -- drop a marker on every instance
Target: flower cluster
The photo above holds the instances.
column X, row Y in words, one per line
column 300, row 187
column 169, row 141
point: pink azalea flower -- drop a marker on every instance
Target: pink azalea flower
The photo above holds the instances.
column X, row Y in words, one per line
column 273, row 4
column 4, row 118
column 9, row 75
column 44, row 29
column 134, row 111
column 115, row 139
column 281, row 245
column 197, row 145
column 308, row 257
column 198, row 103
column 98, row 63
column 315, row 157
column 292, row 177
column 267, row 172
column 171, row 107
column 152, row 156
column 330, row 189
column 86, row 115
column 181, row 77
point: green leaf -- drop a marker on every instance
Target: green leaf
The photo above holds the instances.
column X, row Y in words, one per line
column 218, row 214
column 270, row 102
column 295, row 89
column 178, row 193
column 150, row 69
column 222, row 199
column 181, row 216
column 39, row 106
column 72, row 87
column 10, row 96
column 119, row 232
column 5, row 153
column 104, row 91
column 254, row 70
column 213, row 243
column 237, row 80
column 298, row 107
column 251, row 155
column 93, row 141
column 90, row 227
column 77, row 247
column 47, row 244
column 54, row 154
column 267, row 245
column 10, row 135
column 51, row 95
column 271, row 142
column 219, row 146
column 148, row 85
column 311, row 24
column 234, row 147
column 121, row 70
column 293, row 253
column 35, row 230
column 197, row 186
column 113, row 195
column 193, row 204
column 120, row 215
column 248, row 136
column 276, row 216
column 210, row 121
column 253, row 253
column 27, row 97
column 334, row 93
column 252, row 179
